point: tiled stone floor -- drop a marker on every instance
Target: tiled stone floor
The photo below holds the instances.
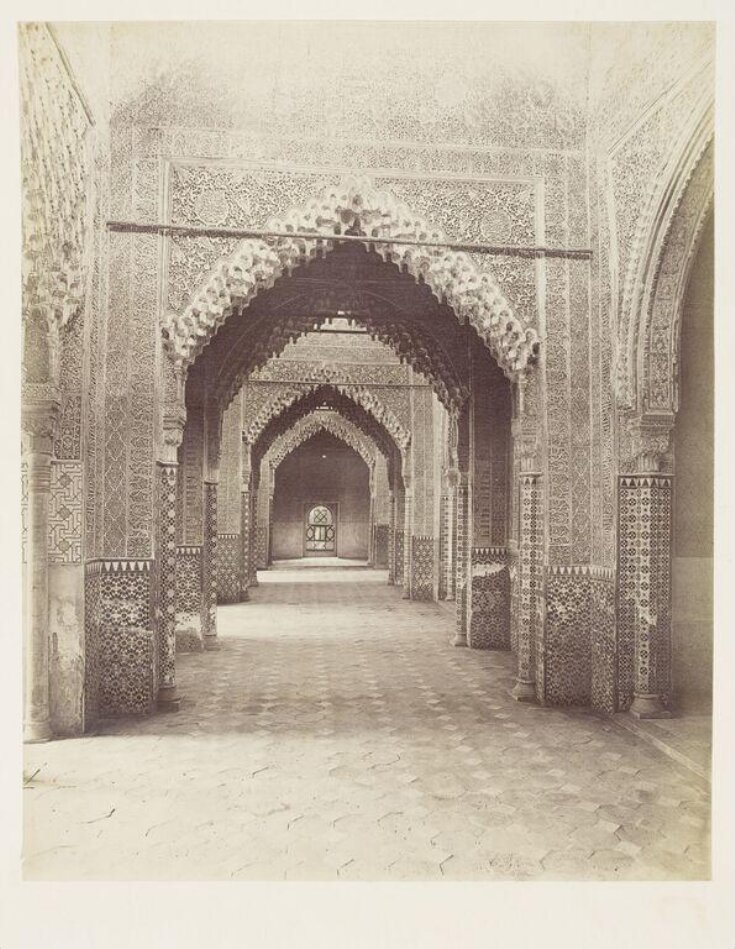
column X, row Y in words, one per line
column 337, row 734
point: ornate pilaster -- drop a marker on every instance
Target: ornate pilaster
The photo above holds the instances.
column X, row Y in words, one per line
column 39, row 421
column 166, row 557
column 530, row 571
column 371, row 527
column 443, row 545
column 166, row 563
column 392, row 537
column 209, row 567
column 644, row 569
column 245, row 527
column 254, row 530
column 462, row 557
column 407, row 541
column 450, row 564
column 212, row 455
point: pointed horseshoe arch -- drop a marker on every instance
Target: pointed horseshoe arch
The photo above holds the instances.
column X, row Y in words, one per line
column 360, row 395
column 355, row 205
column 311, row 425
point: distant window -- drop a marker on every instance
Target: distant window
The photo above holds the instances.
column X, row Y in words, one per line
column 320, row 529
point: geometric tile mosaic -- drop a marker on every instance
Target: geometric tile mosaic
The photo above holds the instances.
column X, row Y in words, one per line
column 120, row 638
column 228, row 568
column 490, row 593
column 568, row 636
column 422, row 568
column 65, row 512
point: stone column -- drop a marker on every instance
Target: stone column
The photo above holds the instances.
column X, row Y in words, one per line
column 644, row 567
column 167, row 470
column 462, row 556
column 39, row 421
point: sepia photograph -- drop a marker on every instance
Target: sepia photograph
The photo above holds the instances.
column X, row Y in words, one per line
column 367, row 468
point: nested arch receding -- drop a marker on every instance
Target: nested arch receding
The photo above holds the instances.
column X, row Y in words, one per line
column 355, row 207
column 321, row 421
column 390, row 305
column 296, row 401
column 307, row 401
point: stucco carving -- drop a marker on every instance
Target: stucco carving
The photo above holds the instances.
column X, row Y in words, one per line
column 645, row 443
column 360, row 395
column 357, row 208
column 56, row 176
column 679, row 193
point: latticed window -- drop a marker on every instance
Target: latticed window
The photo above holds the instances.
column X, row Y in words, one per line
column 320, row 529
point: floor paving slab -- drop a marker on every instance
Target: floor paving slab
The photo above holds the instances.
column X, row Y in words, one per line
column 338, row 735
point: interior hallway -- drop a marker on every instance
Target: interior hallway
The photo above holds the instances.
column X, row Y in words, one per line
column 337, row 734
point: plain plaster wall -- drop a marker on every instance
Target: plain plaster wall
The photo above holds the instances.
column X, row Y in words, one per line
column 323, row 469
column 66, row 648
column 694, row 488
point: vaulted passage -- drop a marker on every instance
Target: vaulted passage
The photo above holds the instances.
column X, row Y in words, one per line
column 337, row 734
column 367, row 449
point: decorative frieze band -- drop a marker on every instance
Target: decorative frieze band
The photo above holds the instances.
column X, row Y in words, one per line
column 645, row 481
column 581, row 570
column 93, row 567
column 488, row 553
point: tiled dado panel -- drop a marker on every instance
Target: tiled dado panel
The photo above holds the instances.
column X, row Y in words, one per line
column 567, row 647
column 229, row 571
column 604, row 661
column 579, row 637
column 189, row 598
column 65, row 512
column 120, row 641
column 422, row 568
column 490, row 599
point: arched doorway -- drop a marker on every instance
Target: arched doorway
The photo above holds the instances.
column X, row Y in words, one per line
column 438, row 312
column 321, row 502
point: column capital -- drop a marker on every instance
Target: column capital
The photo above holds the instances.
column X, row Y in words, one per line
column 453, row 476
column 174, row 420
column 39, row 419
column 645, row 443
column 524, row 431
